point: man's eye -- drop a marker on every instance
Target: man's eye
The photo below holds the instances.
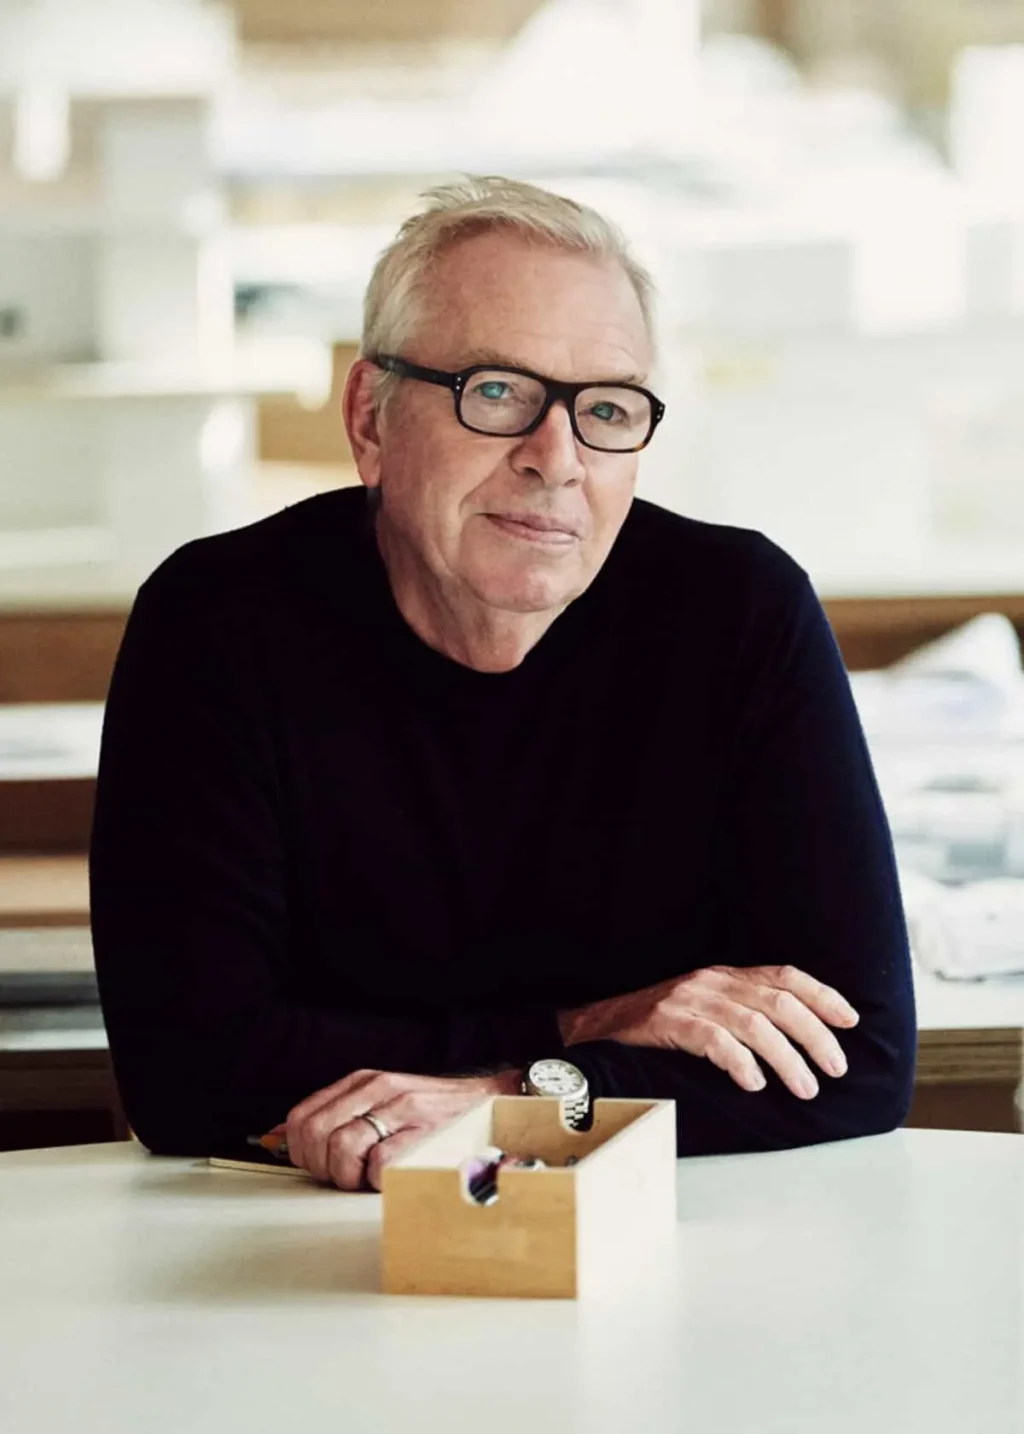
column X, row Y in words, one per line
column 606, row 412
column 493, row 388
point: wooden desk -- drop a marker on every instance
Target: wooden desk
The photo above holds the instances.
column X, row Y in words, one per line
column 867, row 1284
column 970, row 1053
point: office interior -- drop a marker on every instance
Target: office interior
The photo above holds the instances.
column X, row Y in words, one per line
column 830, row 196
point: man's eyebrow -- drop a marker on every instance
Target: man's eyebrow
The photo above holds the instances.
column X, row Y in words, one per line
column 471, row 357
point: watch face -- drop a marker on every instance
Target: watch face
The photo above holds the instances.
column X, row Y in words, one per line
column 556, row 1078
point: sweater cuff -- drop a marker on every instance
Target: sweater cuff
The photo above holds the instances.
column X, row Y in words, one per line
column 533, row 1034
column 516, row 1038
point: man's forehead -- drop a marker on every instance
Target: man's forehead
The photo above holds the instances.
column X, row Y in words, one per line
column 571, row 316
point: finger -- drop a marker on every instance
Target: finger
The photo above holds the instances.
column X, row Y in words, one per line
column 428, row 1107
column 299, row 1123
column 335, row 1109
column 342, row 1156
column 824, row 1001
column 723, row 1050
column 330, row 1092
column 763, row 988
column 789, row 1014
column 762, row 1036
column 385, row 1151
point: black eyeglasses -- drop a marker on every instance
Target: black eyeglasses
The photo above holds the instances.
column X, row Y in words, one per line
column 512, row 402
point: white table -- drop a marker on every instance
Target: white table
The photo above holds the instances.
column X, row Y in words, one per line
column 863, row 1287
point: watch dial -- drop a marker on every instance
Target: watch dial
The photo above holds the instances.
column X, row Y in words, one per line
column 556, row 1078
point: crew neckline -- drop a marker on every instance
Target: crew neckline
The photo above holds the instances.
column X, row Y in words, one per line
column 438, row 665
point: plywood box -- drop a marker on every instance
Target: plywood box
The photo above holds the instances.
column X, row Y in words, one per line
column 560, row 1232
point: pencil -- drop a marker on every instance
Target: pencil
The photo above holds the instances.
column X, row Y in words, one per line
column 277, row 1145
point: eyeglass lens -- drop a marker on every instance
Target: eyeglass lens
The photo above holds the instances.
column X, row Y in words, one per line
column 503, row 403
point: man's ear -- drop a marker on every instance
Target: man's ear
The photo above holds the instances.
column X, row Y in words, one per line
column 361, row 420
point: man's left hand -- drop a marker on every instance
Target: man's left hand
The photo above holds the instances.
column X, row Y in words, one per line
column 328, row 1137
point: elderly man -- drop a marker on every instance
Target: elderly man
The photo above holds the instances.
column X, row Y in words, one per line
column 485, row 776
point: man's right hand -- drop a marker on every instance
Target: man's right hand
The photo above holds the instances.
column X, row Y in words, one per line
column 728, row 1014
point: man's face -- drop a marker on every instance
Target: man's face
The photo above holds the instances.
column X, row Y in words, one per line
column 497, row 299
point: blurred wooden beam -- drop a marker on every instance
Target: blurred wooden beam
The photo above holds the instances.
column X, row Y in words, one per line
column 775, row 21
column 874, row 632
column 44, row 891
column 63, row 656
column 58, row 656
column 399, row 22
column 51, row 815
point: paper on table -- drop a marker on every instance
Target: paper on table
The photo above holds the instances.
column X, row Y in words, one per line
column 946, row 731
column 965, row 932
column 967, row 684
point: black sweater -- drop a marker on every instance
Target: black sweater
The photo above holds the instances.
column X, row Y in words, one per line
column 320, row 845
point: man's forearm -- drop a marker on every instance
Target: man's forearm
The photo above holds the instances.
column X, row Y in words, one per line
column 186, row 1085
column 716, row 1116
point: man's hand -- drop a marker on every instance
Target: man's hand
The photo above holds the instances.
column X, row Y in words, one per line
column 726, row 1013
column 328, row 1137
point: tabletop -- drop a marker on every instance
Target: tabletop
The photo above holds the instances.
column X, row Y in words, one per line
column 864, row 1284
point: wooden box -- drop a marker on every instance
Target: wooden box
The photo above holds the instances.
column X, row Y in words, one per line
column 561, row 1232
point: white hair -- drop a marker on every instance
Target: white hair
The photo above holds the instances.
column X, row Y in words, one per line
column 398, row 288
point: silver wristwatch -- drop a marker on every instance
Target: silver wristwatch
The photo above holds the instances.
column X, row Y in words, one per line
column 558, row 1078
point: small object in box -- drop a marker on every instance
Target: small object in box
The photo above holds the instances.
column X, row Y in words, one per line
column 481, row 1171
column 521, row 1162
column 479, row 1174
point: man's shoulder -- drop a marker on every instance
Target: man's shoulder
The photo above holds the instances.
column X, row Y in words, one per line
column 671, row 556
column 251, row 563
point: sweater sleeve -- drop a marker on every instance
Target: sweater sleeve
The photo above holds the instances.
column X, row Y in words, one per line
column 191, row 924
column 806, row 877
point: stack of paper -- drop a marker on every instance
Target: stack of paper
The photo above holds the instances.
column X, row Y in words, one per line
column 946, row 732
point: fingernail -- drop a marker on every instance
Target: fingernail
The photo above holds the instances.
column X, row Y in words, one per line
column 836, row 1065
column 807, row 1086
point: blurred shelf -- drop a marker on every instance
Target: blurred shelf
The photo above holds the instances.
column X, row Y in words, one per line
column 278, row 368
column 955, row 577
column 63, row 592
column 279, row 485
column 45, row 951
column 91, row 219
column 72, row 545
column 42, row 741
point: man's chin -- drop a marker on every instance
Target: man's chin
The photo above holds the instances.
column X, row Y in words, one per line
column 535, row 595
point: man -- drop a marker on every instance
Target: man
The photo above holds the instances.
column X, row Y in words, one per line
column 486, row 764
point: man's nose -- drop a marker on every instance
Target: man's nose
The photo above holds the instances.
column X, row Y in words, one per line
column 551, row 450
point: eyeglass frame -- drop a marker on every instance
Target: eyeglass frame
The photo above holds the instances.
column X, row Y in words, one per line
column 554, row 390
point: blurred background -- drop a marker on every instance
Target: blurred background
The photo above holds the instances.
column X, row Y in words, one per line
column 830, row 195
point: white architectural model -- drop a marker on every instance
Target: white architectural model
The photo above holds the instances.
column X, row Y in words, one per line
column 126, row 411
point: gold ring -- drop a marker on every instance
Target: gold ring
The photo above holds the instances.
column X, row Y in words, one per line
column 382, row 1131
